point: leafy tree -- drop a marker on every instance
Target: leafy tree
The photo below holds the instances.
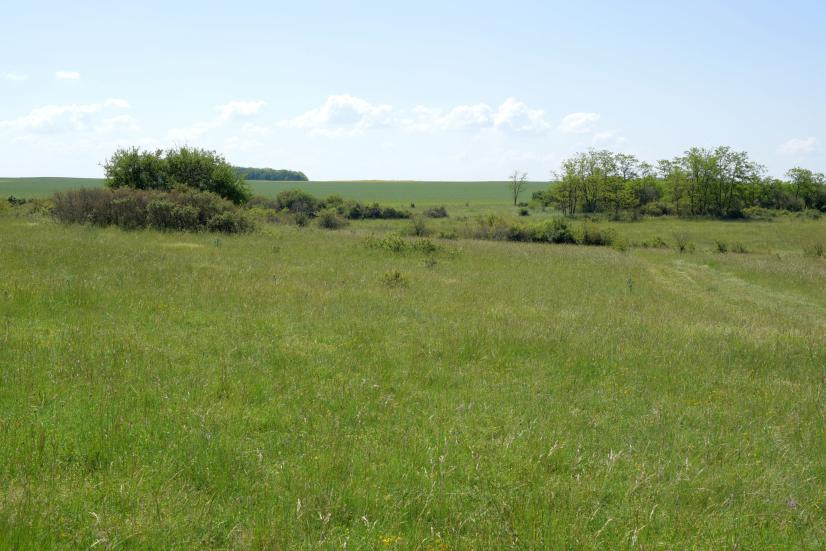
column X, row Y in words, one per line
column 184, row 166
column 805, row 185
column 136, row 169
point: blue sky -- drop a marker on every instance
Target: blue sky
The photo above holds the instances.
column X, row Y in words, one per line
column 426, row 90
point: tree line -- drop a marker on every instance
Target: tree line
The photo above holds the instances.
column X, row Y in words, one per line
column 718, row 182
column 273, row 174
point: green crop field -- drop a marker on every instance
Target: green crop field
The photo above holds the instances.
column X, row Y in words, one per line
column 397, row 193
column 294, row 388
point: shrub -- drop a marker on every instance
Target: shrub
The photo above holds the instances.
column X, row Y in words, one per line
column 297, row 201
column 552, row 231
column 492, row 227
column 722, row 247
column 334, row 201
column 591, row 235
column 195, row 168
column 301, row 219
column 436, row 212
column 329, row 219
column 419, row 226
column 448, row 234
column 394, row 279
column 524, row 211
column 179, row 209
column 393, row 242
column 739, row 248
column 230, row 222
column 656, row 243
column 658, row 208
column 683, row 244
column 760, row 213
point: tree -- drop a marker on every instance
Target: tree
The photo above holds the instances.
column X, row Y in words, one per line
column 184, row 166
column 517, row 183
column 806, row 185
column 281, row 175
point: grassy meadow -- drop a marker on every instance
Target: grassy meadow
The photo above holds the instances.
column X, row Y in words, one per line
column 294, row 388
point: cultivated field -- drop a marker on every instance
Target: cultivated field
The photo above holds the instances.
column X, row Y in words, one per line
column 296, row 388
column 397, row 193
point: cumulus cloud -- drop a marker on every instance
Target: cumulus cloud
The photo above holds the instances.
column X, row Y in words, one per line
column 227, row 112
column 465, row 116
column 797, row 147
column 516, row 115
column 512, row 115
column 15, row 77
column 341, row 115
column 236, row 109
column 67, row 75
column 67, row 117
column 579, row 123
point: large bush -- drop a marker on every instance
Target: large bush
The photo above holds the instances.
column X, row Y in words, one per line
column 178, row 209
column 184, row 166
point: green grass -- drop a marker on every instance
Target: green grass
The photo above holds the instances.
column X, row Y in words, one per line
column 391, row 192
column 274, row 391
column 42, row 187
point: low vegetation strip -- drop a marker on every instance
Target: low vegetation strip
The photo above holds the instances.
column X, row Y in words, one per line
column 182, row 209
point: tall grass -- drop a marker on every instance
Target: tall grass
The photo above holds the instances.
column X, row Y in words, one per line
column 277, row 390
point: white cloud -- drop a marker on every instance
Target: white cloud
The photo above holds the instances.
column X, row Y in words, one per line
column 579, row 123
column 797, row 147
column 342, row 115
column 511, row 115
column 516, row 115
column 67, row 75
column 466, row 116
column 239, row 109
column 15, row 77
column 119, row 122
column 70, row 117
column 226, row 113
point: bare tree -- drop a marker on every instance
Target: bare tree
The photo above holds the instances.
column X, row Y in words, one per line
column 517, row 182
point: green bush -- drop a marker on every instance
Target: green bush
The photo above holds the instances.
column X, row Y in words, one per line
column 552, row 231
column 161, row 170
column 592, row 235
column 419, row 226
column 329, row 219
column 298, row 201
column 395, row 243
column 230, row 222
column 179, row 209
column 394, row 279
column 658, row 208
column 656, row 243
column 436, row 212
column 683, row 243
